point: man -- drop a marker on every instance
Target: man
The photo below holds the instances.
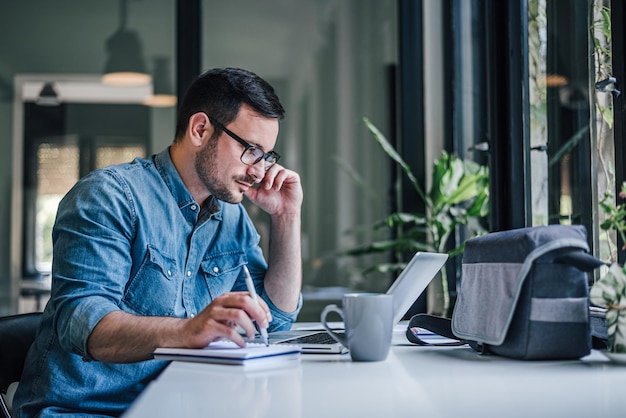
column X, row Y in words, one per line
column 151, row 253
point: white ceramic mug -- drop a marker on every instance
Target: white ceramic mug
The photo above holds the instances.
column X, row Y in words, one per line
column 368, row 319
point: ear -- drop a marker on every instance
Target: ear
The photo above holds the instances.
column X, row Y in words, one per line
column 200, row 128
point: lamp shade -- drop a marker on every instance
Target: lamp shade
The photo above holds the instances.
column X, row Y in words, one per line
column 125, row 66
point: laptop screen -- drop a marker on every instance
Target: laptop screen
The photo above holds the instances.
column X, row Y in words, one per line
column 413, row 280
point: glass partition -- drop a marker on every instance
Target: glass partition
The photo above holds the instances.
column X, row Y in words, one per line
column 329, row 62
column 58, row 120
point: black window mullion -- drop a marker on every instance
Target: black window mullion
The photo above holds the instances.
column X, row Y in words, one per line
column 508, row 111
column 411, row 117
column 411, row 132
column 188, row 42
column 618, row 38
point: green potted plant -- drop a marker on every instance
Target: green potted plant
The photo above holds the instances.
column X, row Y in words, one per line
column 610, row 291
column 458, row 195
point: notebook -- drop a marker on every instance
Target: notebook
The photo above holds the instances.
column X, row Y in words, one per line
column 409, row 285
column 227, row 352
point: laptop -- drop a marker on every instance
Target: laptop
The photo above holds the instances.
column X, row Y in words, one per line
column 409, row 285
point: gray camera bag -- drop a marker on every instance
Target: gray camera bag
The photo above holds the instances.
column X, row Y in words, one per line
column 523, row 294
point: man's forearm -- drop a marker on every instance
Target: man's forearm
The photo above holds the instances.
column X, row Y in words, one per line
column 121, row 337
column 283, row 280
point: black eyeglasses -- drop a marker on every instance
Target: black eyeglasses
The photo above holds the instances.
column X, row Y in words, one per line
column 251, row 154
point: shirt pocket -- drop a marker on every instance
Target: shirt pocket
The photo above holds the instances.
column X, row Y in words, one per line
column 222, row 271
column 153, row 290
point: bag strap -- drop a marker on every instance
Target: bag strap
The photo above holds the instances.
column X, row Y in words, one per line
column 581, row 260
column 577, row 257
column 438, row 325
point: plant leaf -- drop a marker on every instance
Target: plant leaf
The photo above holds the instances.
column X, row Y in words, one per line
column 391, row 152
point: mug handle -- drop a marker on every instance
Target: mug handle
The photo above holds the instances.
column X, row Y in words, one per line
column 328, row 309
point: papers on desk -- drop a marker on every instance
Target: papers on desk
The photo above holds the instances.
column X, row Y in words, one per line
column 227, row 352
column 430, row 337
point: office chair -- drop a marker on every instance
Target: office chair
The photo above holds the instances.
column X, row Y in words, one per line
column 17, row 333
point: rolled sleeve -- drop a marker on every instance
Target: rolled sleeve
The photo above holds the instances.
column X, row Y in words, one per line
column 80, row 323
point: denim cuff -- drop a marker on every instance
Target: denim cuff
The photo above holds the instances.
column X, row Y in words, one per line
column 87, row 314
column 281, row 320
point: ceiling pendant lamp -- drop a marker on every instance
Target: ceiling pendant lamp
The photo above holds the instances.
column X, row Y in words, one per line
column 48, row 96
column 125, row 65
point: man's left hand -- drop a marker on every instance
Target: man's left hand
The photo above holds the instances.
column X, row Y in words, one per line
column 279, row 193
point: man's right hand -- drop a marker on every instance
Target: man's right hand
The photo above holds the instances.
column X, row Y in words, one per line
column 222, row 317
column 121, row 337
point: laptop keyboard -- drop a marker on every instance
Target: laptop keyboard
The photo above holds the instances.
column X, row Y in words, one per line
column 315, row 338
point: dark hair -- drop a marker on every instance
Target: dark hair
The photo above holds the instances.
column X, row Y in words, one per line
column 220, row 92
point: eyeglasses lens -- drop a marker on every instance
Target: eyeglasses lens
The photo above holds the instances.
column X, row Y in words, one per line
column 253, row 155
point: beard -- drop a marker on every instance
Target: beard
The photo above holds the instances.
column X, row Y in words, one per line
column 206, row 165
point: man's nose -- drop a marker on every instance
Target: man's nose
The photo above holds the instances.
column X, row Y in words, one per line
column 257, row 171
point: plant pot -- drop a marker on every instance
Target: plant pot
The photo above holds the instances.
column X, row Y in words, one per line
column 437, row 298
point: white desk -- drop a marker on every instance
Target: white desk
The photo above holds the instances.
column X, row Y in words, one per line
column 413, row 382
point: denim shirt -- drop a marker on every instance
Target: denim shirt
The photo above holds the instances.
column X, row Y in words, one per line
column 131, row 237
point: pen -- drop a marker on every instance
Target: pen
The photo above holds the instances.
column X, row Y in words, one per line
column 252, row 291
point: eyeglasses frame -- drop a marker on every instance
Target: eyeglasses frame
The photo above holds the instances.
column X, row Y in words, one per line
column 272, row 154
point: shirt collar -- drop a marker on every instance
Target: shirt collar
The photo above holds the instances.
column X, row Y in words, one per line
column 169, row 174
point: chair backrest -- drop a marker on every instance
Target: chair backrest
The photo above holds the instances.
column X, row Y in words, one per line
column 17, row 333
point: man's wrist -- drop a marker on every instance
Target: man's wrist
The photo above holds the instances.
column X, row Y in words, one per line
column 286, row 218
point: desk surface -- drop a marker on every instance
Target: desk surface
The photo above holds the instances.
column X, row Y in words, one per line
column 412, row 382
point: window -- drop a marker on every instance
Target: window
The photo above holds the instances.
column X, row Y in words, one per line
column 571, row 116
column 57, row 172
column 61, row 145
column 532, row 80
column 560, row 70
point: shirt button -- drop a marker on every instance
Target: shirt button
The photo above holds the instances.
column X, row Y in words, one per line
column 188, row 273
column 216, row 269
column 191, row 316
column 169, row 272
column 193, row 207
